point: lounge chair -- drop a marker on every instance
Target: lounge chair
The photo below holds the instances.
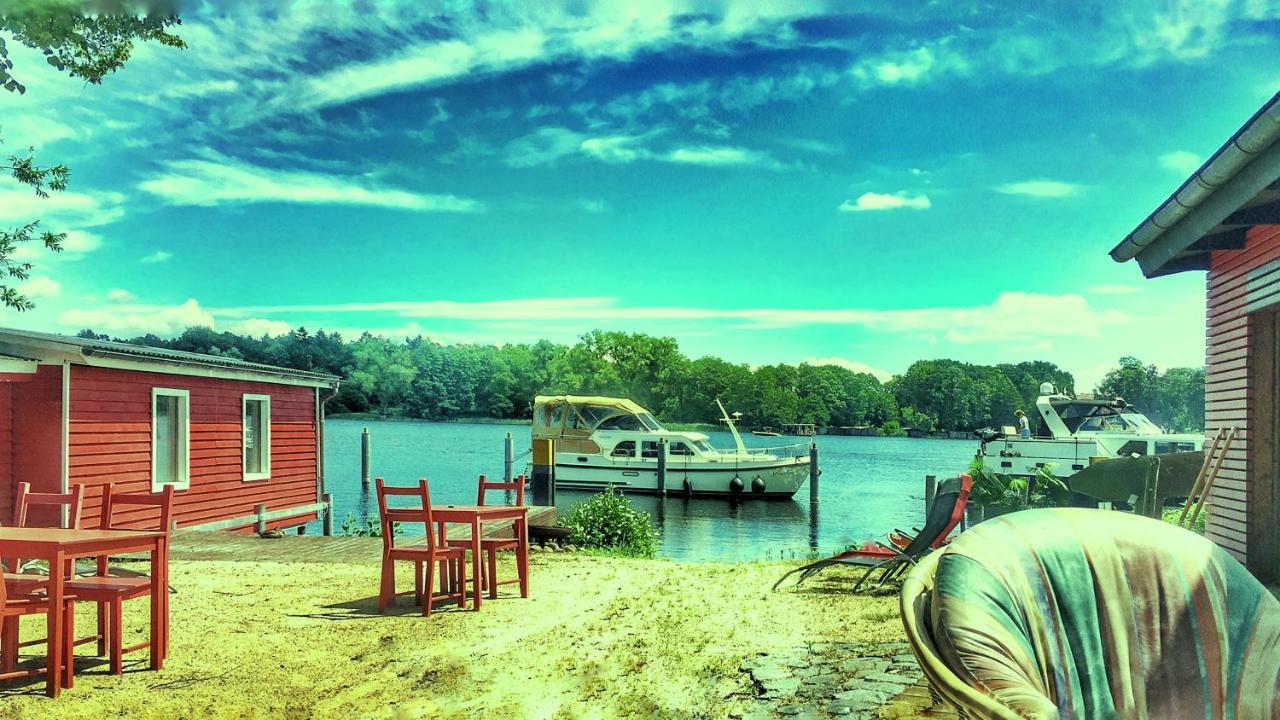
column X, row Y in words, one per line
column 944, row 515
column 1078, row 613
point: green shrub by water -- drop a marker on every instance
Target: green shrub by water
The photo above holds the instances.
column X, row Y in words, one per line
column 608, row 522
column 1171, row 515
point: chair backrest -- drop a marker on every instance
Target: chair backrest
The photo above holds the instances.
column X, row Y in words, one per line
column 944, row 515
column 413, row 514
column 516, row 485
column 73, row 501
column 115, row 506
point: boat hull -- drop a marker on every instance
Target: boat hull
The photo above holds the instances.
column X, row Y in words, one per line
column 779, row 478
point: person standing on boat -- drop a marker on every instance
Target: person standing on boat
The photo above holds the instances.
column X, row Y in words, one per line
column 1024, row 425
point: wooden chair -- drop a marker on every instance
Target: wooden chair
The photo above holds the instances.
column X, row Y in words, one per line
column 491, row 545
column 16, row 605
column 431, row 551
column 110, row 591
column 24, row 585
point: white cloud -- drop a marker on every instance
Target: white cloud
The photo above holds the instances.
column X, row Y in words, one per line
column 139, row 319
column 208, row 183
column 1183, row 162
column 718, row 156
column 61, row 210
column 257, row 327
column 120, row 295
column 75, row 246
column 1039, row 188
column 158, row 256
column 886, row 201
column 854, row 365
column 547, row 145
column 39, row 286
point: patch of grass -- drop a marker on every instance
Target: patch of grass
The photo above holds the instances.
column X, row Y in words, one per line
column 1170, row 515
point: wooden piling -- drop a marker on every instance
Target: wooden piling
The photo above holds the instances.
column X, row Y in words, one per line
column 508, row 458
column 662, row 470
column 365, row 476
column 814, row 472
column 544, row 471
column 327, row 518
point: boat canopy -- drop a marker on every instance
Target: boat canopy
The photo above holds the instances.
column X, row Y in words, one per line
column 554, row 414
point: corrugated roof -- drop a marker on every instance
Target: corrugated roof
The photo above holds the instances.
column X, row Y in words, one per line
column 89, row 347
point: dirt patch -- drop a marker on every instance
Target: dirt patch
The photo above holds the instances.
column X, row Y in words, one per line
column 598, row 638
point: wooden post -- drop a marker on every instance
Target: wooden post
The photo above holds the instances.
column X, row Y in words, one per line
column 365, row 475
column 261, row 511
column 327, row 518
column 930, row 490
column 814, row 472
column 544, row 471
column 508, row 458
column 662, row 470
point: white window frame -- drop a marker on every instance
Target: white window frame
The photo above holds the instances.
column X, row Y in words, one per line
column 266, row 435
column 184, row 438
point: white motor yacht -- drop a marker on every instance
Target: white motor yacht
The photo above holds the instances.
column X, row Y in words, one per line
column 603, row 441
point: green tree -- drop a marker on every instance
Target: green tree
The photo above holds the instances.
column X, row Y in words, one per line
column 383, row 371
column 87, row 41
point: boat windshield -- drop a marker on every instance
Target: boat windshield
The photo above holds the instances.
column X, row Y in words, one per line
column 650, row 423
column 704, row 446
column 1141, row 423
column 1106, row 418
column 599, row 417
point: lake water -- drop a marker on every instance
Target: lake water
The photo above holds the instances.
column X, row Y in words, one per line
column 869, row 486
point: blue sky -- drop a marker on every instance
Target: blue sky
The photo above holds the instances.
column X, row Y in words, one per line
column 766, row 182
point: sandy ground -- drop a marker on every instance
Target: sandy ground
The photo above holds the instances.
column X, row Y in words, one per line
column 598, row 638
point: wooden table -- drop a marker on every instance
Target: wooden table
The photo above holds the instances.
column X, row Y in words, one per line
column 59, row 545
column 476, row 516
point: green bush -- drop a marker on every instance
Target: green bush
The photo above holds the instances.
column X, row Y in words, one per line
column 608, row 522
column 1015, row 493
column 1171, row 515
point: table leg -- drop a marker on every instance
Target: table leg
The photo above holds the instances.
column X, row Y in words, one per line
column 159, row 591
column 475, row 560
column 522, row 554
column 55, row 630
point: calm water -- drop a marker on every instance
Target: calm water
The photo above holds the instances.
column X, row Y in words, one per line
column 869, row 486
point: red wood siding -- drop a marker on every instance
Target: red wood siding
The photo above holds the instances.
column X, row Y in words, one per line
column 111, row 442
column 37, row 434
column 7, row 488
column 1231, row 387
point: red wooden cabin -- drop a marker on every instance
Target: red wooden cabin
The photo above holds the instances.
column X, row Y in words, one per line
column 1225, row 219
column 230, row 436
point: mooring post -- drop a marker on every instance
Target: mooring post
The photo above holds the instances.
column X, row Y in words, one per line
column 508, row 457
column 327, row 518
column 930, row 489
column 365, row 476
column 261, row 511
column 544, row 471
column 662, row 470
column 814, row 472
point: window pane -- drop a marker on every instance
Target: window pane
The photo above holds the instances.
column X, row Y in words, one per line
column 254, row 436
column 166, row 449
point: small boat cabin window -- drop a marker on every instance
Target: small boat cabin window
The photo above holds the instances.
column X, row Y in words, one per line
column 626, row 448
column 256, row 426
column 649, row 448
column 170, row 438
column 679, row 448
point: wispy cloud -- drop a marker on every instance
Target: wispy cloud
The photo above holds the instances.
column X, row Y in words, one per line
column 120, row 295
column 60, row 211
column 158, row 256
column 209, row 183
column 39, row 287
column 139, row 319
column 548, row 145
column 1183, row 162
column 718, row 156
column 871, row 201
column 1039, row 188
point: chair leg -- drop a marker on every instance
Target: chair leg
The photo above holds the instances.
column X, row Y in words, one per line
column 417, row 582
column 429, row 595
column 117, row 638
column 9, row 645
column 104, row 625
column 69, row 646
column 462, row 581
column 493, row 573
column 387, row 589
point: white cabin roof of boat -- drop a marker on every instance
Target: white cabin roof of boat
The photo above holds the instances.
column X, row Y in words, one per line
column 588, row 413
column 619, row 403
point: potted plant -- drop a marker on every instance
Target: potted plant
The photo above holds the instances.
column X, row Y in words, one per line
column 995, row 494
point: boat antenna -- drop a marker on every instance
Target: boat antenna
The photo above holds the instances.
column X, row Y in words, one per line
column 737, row 439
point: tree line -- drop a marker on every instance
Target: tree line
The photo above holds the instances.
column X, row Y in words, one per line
column 420, row 378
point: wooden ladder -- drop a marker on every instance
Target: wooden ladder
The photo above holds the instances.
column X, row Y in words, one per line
column 1207, row 476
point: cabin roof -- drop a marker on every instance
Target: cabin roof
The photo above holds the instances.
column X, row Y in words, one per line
column 31, row 345
column 1234, row 190
column 620, row 403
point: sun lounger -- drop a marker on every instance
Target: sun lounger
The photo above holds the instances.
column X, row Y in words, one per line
column 944, row 515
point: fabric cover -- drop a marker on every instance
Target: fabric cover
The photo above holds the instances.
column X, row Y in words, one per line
column 1078, row 613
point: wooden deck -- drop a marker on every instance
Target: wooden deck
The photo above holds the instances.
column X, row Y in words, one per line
column 247, row 547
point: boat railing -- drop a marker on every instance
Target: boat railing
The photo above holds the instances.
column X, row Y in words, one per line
column 795, row 450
